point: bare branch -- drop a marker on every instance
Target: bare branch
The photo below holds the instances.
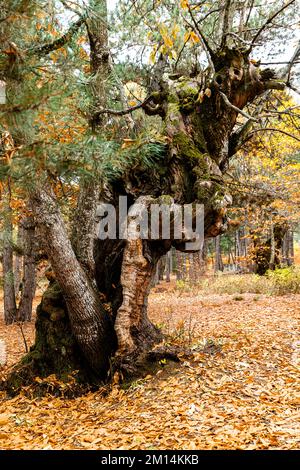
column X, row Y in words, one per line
column 285, row 111
column 249, row 13
column 292, row 87
column 292, row 62
column 210, row 53
column 236, row 36
column 123, row 112
column 237, row 139
column 19, row 108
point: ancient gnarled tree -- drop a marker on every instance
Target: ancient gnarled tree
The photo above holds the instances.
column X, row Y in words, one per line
column 94, row 313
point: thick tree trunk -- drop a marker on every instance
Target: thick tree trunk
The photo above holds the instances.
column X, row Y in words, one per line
column 29, row 278
column 73, row 261
column 161, row 268
column 55, row 350
column 285, row 250
column 84, row 222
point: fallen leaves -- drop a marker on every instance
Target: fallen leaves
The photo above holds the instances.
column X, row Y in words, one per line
column 239, row 389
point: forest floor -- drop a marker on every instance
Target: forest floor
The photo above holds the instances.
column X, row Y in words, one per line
column 238, row 389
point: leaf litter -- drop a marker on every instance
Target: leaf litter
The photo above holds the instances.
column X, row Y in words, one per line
column 238, row 388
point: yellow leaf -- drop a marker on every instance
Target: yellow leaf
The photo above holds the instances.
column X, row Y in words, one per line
column 208, row 92
column 175, row 31
column 186, row 36
column 168, row 41
column 4, row 419
column 153, row 55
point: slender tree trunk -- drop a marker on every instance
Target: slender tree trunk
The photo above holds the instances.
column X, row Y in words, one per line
column 178, row 265
column 291, row 257
column 203, row 255
column 161, row 268
column 273, row 247
column 168, row 266
column 218, row 255
column 18, row 264
column 155, row 279
column 285, row 250
column 183, row 266
column 237, row 244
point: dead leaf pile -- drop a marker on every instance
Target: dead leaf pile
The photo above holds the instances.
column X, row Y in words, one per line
column 239, row 389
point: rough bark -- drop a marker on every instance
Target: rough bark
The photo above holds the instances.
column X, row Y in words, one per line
column 84, row 222
column 55, row 350
column 90, row 322
column 218, row 255
column 134, row 330
column 18, row 264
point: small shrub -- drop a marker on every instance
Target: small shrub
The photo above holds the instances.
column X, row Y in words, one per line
column 284, row 280
column 181, row 285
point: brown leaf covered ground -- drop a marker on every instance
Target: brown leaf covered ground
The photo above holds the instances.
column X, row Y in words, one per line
column 240, row 389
